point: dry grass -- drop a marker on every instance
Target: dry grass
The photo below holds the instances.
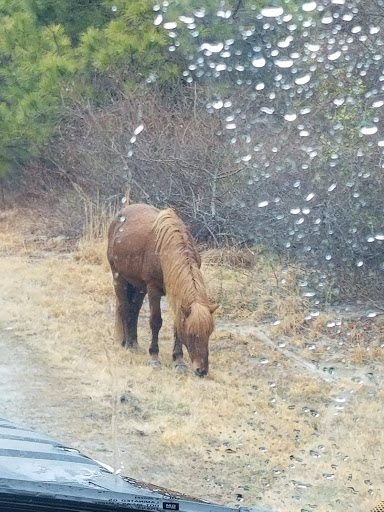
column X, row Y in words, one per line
column 11, row 242
column 249, row 431
column 259, row 288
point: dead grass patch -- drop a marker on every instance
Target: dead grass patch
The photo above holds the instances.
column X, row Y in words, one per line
column 251, row 428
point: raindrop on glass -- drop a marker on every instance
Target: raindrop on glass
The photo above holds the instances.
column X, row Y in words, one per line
column 309, row 6
column 158, row 20
column 272, row 11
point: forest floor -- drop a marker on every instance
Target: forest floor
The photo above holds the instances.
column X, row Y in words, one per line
column 289, row 417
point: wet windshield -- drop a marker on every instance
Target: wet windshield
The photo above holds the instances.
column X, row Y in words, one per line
column 260, row 125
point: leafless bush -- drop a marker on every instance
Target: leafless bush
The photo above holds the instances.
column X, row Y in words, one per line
column 186, row 159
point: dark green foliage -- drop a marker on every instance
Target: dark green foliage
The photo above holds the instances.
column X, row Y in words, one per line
column 52, row 50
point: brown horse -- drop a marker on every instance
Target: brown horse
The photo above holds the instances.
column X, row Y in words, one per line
column 152, row 251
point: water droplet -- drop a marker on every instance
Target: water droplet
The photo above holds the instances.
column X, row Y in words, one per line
column 158, row 20
column 200, row 13
column 258, row 62
column 304, row 79
column 313, row 47
column 224, row 14
column 290, row 117
column 327, row 19
column 217, row 104
column 302, row 485
column 285, row 43
column 170, row 25
column 267, row 110
column 188, row 20
column 309, row 6
column 284, row 63
column 122, row 218
column 139, row 129
column 272, row 11
column 334, row 55
column 263, row 204
column 212, row 47
column 368, row 129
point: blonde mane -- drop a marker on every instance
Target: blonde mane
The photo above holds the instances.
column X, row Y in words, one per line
column 183, row 280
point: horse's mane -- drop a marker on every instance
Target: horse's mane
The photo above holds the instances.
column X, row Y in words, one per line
column 182, row 277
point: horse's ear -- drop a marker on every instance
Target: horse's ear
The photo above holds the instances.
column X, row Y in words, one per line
column 186, row 311
column 213, row 307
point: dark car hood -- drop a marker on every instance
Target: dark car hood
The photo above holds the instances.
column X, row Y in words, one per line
column 39, row 473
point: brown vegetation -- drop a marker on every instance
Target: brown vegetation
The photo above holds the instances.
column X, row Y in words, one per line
column 249, row 432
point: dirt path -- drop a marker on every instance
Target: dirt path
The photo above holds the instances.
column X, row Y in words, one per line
column 35, row 395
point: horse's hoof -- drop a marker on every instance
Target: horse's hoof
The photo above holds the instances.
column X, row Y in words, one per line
column 155, row 364
column 130, row 345
column 180, row 367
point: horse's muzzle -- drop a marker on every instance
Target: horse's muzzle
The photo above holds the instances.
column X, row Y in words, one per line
column 201, row 373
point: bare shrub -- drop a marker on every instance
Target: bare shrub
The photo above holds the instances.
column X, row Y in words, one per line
column 185, row 158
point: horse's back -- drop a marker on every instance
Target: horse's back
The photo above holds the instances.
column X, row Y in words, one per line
column 131, row 242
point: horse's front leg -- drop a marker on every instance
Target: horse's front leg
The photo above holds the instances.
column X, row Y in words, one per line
column 178, row 354
column 155, row 321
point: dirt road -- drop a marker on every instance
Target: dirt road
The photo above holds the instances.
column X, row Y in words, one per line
column 37, row 396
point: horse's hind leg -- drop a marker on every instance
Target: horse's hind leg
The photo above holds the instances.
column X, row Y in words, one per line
column 135, row 299
column 155, row 321
column 129, row 302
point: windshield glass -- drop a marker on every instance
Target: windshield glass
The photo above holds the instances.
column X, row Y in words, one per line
column 260, row 125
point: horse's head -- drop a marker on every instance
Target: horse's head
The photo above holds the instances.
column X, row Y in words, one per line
column 194, row 330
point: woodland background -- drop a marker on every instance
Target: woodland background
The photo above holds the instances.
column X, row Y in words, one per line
column 77, row 78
